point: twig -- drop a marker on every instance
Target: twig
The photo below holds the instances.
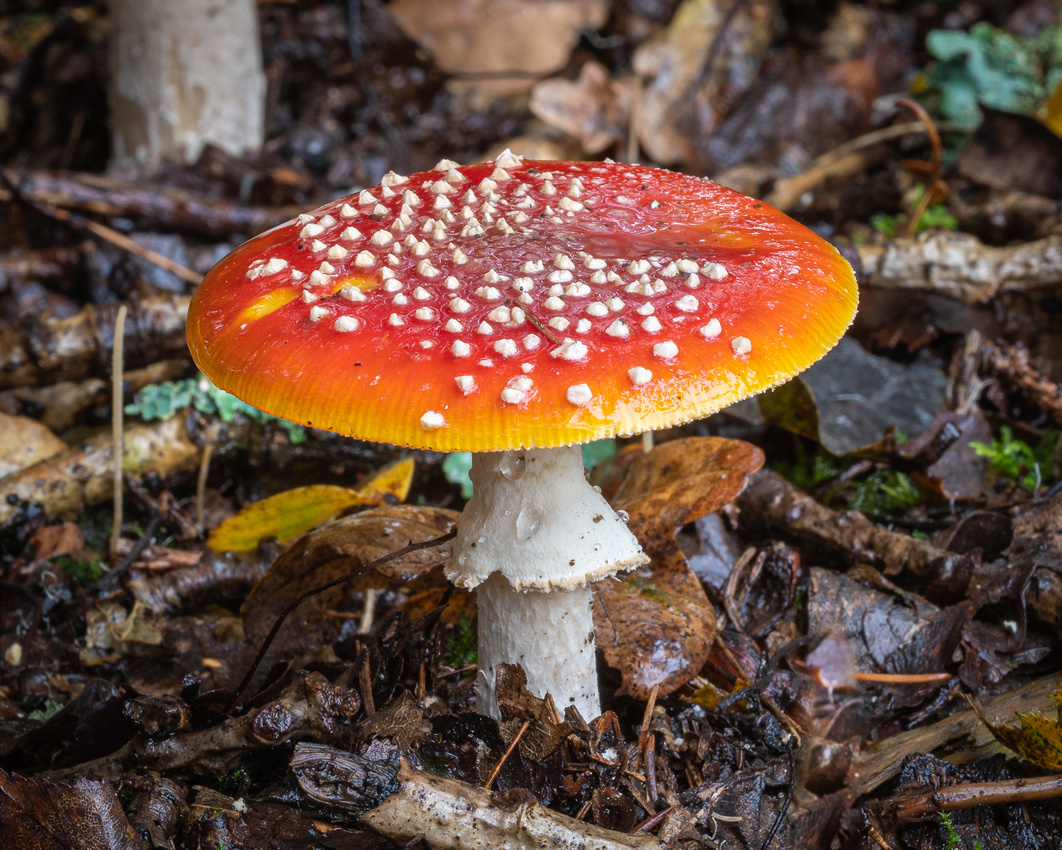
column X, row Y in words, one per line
column 935, row 188
column 841, row 161
column 102, row 231
column 653, row 820
column 118, row 421
column 647, row 719
column 903, row 678
column 978, row 794
column 785, row 803
column 1012, row 362
column 505, row 756
column 201, row 480
column 379, row 562
column 453, row 812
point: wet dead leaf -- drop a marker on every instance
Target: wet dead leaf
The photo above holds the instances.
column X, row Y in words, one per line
column 1037, row 548
column 956, row 472
column 655, row 625
column 889, row 631
column 682, row 480
column 1037, row 738
column 283, row 516
column 23, row 442
column 847, row 400
column 287, row 515
column 54, row 541
column 462, row 604
column 341, row 547
column 46, row 815
column 594, row 108
column 391, row 483
column 990, row 158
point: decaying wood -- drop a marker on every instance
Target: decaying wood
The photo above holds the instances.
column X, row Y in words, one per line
column 881, row 762
column 48, row 267
column 448, row 814
column 960, row 266
column 1012, row 361
column 61, row 406
column 845, row 536
column 119, row 240
column 309, row 709
column 156, row 207
column 83, row 475
column 36, row 351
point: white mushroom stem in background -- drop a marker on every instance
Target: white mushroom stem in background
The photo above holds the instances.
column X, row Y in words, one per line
column 183, row 75
column 531, row 539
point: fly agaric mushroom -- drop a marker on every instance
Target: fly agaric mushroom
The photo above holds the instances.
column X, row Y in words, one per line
column 515, row 309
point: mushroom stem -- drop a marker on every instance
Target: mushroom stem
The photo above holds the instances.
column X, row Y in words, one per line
column 532, row 538
column 550, row 633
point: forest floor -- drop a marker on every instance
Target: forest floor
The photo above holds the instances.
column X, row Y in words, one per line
column 856, row 585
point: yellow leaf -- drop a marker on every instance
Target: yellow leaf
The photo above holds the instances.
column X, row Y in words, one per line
column 284, row 516
column 390, row 484
column 1038, row 739
column 1051, row 112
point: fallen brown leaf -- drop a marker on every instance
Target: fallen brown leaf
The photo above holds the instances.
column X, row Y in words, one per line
column 594, row 108
column 42, row 815
column 655, row 625
column 504, row 38
column 333, row 551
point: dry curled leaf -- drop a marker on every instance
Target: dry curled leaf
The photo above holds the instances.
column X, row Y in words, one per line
column 344, row 546
column 594, row 108
column 498, row 38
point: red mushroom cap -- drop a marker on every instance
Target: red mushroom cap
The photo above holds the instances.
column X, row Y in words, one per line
column 515, row 304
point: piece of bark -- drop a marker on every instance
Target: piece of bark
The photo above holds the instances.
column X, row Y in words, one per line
column 1013, row 363
column 845, row 536
column 67, row 404
column 309, row 709
column 36, row 351
column 153, row 207
column 881, row 762
column 960, row 266
column 449, row 814
column 50, row 267
column 83, row 475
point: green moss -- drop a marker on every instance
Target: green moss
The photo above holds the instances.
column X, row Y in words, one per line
column 1017, row 461
column 460, row 644
column 161, row 401
column 84, row 570
column 51, row 708
column 885, row 491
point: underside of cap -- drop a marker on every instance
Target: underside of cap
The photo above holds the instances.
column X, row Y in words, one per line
column 520, row 304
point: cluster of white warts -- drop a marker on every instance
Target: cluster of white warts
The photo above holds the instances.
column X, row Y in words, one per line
column 387, row 246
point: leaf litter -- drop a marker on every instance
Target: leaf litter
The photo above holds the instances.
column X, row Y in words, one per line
column 905, row 524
